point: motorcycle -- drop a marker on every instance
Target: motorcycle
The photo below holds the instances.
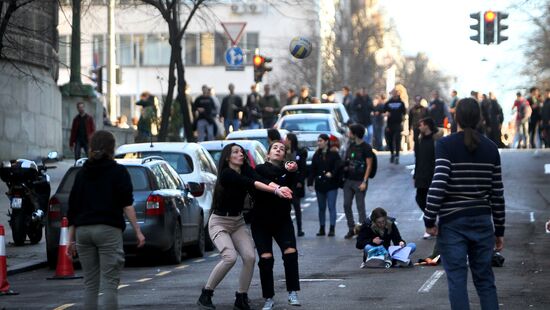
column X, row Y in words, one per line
column 28, row 192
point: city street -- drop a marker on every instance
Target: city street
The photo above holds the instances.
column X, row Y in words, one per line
column 329, row 266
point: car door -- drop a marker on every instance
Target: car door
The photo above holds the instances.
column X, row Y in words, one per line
column 208, row 172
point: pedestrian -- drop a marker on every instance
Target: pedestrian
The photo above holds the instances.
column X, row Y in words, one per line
column 452, row 109
column 496, row 118
column 395, row 110
column 416, row 114
column 523, row 113
column 439, row 110
column 467, row 196
column 324, row 172
column 381, row 231
column 271, row 220
column 203, row 107
column 101, row 193
column 291, row 97
column 545, row 116
column 362, row 108
column 232, row 106
column 347, row 99
column 269, row 105
column 148, row 117
column 534, row 120
column 357, row 168
column 252, row 111
column 298, row 155
column 226, row 225
column 378, row 122
column 273, row 135
column 304, row 95
column 81, row 130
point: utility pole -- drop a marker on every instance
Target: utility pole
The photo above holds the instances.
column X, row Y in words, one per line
column 319, row 55
column 111, row 61
column 75, row 45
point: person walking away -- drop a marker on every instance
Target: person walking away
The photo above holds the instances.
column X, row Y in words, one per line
column 357, row 168
column 496, row 118
column 298, row 155
column 395, row 110
column 269, row 105
column 324, row 170
column 439, row 110
column 226, row 225
column 452, row 109
column 467, row 196
column 304, row 95
column 523, row 113
column 291, row 97
column 534, row 120
column 378, row 122
column 545, row 115
column 101, row 193
column 203, row 108
column 271, row 220
column 347, row 99
column 362, row 108
column 416, row 113
column 82, row 128
column 232, row 105
column 252, row 111
column 381, row 231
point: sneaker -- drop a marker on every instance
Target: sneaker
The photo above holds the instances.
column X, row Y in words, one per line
column 293, row 299
column 301, row 233
column 268, row 305
column 350, row 234
column 426, row 236
column 363, row 265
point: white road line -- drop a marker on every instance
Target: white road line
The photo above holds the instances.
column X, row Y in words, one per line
column 200, row 260
column 317, row 280
column 65, row 306
column 421, row 217
column 305, row 205
column 182, row 267
column 163, row 273
column 532, row 217
column 311, row 199
column 214, row 255
column 144, row 280
column 123, row 286
column 427, row 286
column 341, row 217
column 547, row 168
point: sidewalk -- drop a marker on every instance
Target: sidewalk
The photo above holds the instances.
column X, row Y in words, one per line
column 28, row 257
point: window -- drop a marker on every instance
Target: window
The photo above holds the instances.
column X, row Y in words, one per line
column 159, row 175
column 250, row 43
column 156, row 50
column 126, row 106
column 125, row 50
column 65, row 51
column 191, row 49
column 207, row 49
column 140, row 182
column 182, row 163
column 221, row 45
column 170, row 180
column 99, row 45
column 205, row 163
column 306, row 125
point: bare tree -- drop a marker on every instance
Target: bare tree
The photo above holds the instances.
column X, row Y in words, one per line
column 537, row 52
column 419, row 78
column 7, row 9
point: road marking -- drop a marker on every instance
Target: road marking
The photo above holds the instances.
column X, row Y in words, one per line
column 421, row 217
column 311, row 199
column 410, row 167
column 317, row 280
column 547, row 169
column 144, row 280
column 123, row 286
column 427, row 286
column 163, row 273
column 214, row 255
column 341, row 217
column 305, row 205
column 532, row 217
column 65, row 306
column 200, row 260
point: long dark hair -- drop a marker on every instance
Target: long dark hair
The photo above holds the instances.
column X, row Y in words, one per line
column 223, row 164
column 325, row 137
column 102, row 146
column 468, row 115
column 293, row 141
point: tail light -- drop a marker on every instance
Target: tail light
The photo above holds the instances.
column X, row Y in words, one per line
column 54, row 209
column 251, row 159
column 155, row 205
column 197, row 189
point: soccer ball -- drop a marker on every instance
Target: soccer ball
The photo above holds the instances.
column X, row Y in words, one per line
column 300, row 47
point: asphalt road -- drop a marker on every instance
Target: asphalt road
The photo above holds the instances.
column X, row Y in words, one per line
column 329, row 267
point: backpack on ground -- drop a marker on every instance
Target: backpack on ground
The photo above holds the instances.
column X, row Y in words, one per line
column 378, row 257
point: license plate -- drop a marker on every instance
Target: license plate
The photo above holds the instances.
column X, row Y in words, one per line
column 16, row 203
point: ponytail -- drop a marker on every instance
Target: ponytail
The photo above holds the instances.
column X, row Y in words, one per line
column 471, row 139
column 468, row 116
column 102, row 146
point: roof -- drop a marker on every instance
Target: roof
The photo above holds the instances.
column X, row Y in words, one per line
column 183, row 147
column 252, row 133
column 308, row 116
column 220, row 144
column 305, row 106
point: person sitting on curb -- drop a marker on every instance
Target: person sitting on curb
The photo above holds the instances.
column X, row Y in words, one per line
column 378, row 233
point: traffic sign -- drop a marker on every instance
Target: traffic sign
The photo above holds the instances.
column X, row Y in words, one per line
column 234, row 59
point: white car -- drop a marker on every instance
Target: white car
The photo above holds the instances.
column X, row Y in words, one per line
column 192, row 162
column 259, row 135
column 336, row 109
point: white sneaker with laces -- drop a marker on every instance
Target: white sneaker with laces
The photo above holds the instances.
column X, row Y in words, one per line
column 293, row 299
column 427, row 236
column 268, row 305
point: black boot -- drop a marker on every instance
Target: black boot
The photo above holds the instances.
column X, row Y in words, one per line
column 331, row 231
column 241, row 301
column 321, row 231
column 205, row 300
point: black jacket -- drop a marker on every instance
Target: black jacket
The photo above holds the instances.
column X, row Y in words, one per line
column 300, row 157
column 424, row 161
column 320, row 165
column 100, row 191
column 368, row 233
column 269, row 208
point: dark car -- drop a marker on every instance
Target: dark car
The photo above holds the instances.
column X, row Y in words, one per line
column 169, row 216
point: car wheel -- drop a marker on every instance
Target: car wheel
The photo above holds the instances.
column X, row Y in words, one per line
column 197, row 250
column 173, row 255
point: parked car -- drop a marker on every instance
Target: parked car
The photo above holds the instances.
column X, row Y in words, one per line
column 191, row 161
column 255, row 151
column 168, row 215
column 259, row 135
column 308, row 127
column 336, row 109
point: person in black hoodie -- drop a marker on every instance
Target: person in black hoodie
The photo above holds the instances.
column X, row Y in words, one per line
column 395, row 109
column 325, row 166
column 271, row 220
column 101, row 193
column 299, row 155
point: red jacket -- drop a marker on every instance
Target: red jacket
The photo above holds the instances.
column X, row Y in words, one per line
column 90, row 128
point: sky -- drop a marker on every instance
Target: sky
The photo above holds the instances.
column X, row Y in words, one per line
column 441, row 29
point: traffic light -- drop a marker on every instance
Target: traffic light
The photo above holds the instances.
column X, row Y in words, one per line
column 500, row 19
column 476, row 27
column 98, row 79
column 260, row 67
column 489, row 29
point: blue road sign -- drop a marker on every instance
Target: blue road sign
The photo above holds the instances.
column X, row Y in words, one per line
column 234, row 58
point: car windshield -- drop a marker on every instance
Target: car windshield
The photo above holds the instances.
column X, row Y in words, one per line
column 305, row 125
column 301, row 111
column 137, row 175
column 182, row 163
column 262, row 140
column 216, row 155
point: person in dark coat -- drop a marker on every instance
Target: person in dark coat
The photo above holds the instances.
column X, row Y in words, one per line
column 324, row 171
column 81, row 131
column 299, row 155
column 416, row 113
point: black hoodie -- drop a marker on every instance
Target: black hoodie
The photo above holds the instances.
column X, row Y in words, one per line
column 102, row 188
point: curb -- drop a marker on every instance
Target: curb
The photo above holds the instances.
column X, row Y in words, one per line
column 26, row 267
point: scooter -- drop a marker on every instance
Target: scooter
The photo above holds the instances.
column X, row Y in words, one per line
column 28, row 192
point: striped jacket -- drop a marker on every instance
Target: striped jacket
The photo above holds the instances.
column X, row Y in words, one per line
column 466, row 184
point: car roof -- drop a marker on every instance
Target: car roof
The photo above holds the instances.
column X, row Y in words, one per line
column 308, row 116
column 253, row 133
column 306, row 106
column 178, row 147
column 220, row 144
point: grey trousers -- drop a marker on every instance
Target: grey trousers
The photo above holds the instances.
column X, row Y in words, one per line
column 102, row 257
column 351, row 188
column 231, row 237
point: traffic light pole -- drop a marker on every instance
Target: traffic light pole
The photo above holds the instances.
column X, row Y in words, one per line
column 111, row 62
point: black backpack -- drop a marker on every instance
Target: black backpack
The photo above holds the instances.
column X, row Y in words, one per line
column 374, row 165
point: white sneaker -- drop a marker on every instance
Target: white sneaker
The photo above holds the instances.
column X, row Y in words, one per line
column 427, row 236
column 293, row 299
column 268, row 305
column 363, row 265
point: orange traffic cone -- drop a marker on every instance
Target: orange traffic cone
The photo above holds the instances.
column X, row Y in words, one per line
column 4, row 285
column 64, row 270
